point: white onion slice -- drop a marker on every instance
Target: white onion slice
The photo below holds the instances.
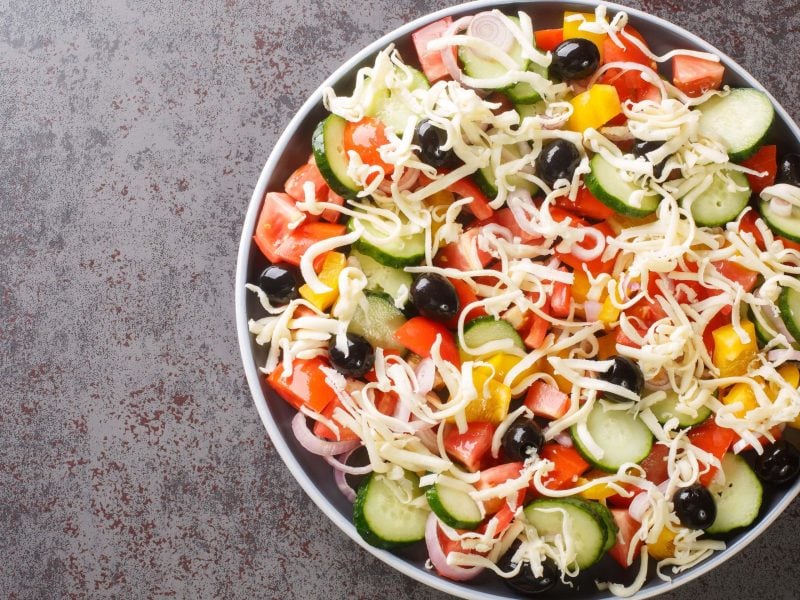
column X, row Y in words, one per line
column 315, row 445
column 438, row 558
column 491, row 28
column 587, row 254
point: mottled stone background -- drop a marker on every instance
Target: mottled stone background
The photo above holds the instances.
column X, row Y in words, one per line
column 132, row 460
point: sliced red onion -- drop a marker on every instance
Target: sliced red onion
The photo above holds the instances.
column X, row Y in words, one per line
column 406, row 182
column 428, row 439
column 563, row 439
column 591, row 309
column 588, row 254
column 315, row 445
column 402, row 412
column 491, row 27
column 344, row 487
column 438, row 558
column 449, row 55
column 639, row 506
column 426, row 375
column 782, row 355
column 340, row 464
column 780, row 207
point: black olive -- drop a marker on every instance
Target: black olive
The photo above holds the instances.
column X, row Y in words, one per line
column 525, row 582
column 280, row 282
column 430, row 140
column 626, row 373
column 789, row 169
column 575, row 58
column 359, row 358
column 779, row 464
column 435, row 297
column 557, row 160
column 523, row 436
column 695, row 507
column 641, row 148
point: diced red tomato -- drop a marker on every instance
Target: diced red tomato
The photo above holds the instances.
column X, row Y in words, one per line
column 585, row 205
column 695, row 76
column 330, row 215
column 629, row 86
column 549, row 39
column 596, row 266
column 386, row 402
column 561, row 299
column 737, row 273
column 763, row 161
column 713, row 439
column 721, row 319
column 418, row 335
column 547, row 401
column 466, row 188
column 628, row 527
column 560, row 215
column 505, row 218
column 495, row 476
column 307, row 172
column 469, row 447
column 306, row 386
column 629, row 52
column 323, row 431
column 569, row 465
column 466, row 296
column 293, row 246
column 272, row 228
column 655, row 464
column 502, row 517
column 364, row 138
column 456, row 255
column 748, row 224
column 431, row 60
column 539, row 327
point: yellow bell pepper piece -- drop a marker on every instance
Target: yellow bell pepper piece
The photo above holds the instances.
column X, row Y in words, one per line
column 742, row 393
column 563, row 384
column 664, row 547
column 440, row 198
column 332, row 266
column 580, row 286
column 491, row 406
column 600, row 491
column 594, row 108
column 503, row 363
column 731, row 356
column 571, row 30
column 791, row 374
column 608, row 312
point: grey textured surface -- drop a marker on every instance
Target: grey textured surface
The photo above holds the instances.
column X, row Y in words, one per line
column 133, row 463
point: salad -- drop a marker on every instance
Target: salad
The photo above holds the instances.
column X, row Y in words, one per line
column 534, row 296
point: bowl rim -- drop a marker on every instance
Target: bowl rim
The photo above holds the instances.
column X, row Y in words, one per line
column 426, row 577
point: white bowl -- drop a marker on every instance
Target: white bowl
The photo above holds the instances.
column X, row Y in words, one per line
column 292, row 149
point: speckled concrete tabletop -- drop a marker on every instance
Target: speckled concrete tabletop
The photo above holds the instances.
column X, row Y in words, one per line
column 133, row 462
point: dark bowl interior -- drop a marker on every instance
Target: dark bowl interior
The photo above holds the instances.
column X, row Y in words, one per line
column 296, row 149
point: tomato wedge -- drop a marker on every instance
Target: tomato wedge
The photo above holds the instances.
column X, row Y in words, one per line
column 547, row 401
column 569, row 465
column 418, row 335
column 272, row 228
column 765, row 160
column 323, row 431
column 306, row 173
column 306, row 386
column 695, row 76
column 469, row 447
column 495, row 476
column 713, row 439
column 293, row 246
column 628, row 527
column 431, row 60
column 466, row 188
column 549, row 39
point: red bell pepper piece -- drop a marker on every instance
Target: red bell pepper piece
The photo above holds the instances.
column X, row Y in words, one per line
column 628, row 527
column 537, row 332
column 418, row 335
column 629, row 52
column 548, row 39
column 546, row 401
column 455, row 255
column 721, row 319
column 323, row 431
column 466, row 188
column 469, row 447
column 561, row 299
column 585, row 205
column 305, row 173
column 431, row 60
column 306, row 386
column 293, row 246
column 763, row 161
column 713, row 439
column 569, row 465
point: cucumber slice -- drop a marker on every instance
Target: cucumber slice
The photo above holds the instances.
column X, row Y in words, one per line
column 382, row 519
column 486, row 180
column 719, row 205
column 488, row 329
column 379, row 322
column 789, row 309
column 741, row 120
column 613, row 191
column 589, row 532
column 774, row 320
column 381, row 278
column 481, row 67
column 601, row 511
column 454, row 507
column 738, row 500
column 327, row 143
column 622, row 437
column 390, row 107
column 405, row 251
column 530, row 110
column 666, row 409
column 788, row 227
column 523, row 92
